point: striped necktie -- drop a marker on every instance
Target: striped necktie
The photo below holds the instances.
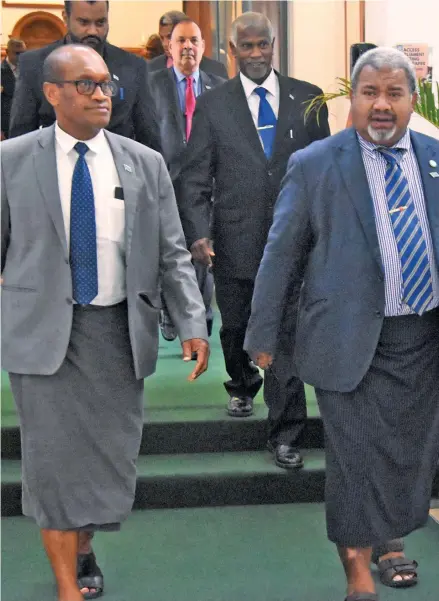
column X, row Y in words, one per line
column 412, row 248
column 266, row 122
column 83, row 251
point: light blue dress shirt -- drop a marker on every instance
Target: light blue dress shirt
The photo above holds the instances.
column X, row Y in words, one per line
column 180, row 81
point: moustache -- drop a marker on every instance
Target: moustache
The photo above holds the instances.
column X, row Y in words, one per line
column 382, row 116
column 91, row 38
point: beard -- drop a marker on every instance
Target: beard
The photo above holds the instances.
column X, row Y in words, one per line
column 92, row 41
column 381, row 135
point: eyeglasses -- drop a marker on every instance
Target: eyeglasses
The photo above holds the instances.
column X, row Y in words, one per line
column 87, row 87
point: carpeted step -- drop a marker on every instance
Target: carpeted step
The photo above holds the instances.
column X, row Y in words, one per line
column 193, row 430
column 204, row 479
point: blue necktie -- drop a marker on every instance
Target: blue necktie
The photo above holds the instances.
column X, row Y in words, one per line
column 266, row 122
column 83, row 253
column 412, row 248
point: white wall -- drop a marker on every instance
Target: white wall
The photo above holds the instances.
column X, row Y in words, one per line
column 391, row 22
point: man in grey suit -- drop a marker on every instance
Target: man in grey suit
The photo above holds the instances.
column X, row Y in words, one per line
column 90, row 227
column 358, row 221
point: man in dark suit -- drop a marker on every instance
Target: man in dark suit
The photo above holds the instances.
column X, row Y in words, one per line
column 243, row 134
column 357, row 221
column 175, row 91
column 166, row 24
column 133, row 114
column 9, row 72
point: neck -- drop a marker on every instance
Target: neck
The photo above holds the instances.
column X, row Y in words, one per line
column 80, row 133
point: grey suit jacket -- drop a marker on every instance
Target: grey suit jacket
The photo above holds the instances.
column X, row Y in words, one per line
column 37, row 301
column 324, row 234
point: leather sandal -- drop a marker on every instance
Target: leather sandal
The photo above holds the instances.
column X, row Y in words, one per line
column 90, row 576
column 395, row 566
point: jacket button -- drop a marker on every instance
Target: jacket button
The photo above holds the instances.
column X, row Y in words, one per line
column 67, row 261
column 381, row 278
column 270, row 173
column 69, row 301
column 378, row 313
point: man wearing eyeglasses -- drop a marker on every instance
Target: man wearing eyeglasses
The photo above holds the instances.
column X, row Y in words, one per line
column 133, row 114
column 90, row 226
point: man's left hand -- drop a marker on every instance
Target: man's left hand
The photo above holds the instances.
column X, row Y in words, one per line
column 202, row 350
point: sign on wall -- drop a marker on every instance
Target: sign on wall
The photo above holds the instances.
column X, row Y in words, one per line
column 419, row 54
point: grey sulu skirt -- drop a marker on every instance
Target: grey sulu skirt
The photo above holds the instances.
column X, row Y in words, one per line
column 81, row 427
column 382, row 439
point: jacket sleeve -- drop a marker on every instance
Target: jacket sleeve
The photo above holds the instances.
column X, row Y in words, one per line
column 26, row 101
column 194, row 182
column 318, row 125
column 146, row 128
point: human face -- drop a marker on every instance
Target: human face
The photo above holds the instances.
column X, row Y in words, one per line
column 80, row 115
column 14, row 51
column 186, row 47
column 88, row 24
column 382, row 105
column 254, row 53
column 165, row 37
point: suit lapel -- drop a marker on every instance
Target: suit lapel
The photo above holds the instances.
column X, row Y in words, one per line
column 287, row 104
column 170, row 91
column 243, row 117
column 47, row 178
column 206, row 82
column 129, row 183
column 354, row 176
column 424, row 154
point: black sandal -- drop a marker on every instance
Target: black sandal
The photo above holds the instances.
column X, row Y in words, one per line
column 90, row 576
column 395, row 566
column 362, row 597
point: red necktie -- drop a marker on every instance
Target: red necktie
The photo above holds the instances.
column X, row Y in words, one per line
column 190, row 105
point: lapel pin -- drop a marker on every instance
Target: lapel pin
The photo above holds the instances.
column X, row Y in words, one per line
column 433, row 163
column 127, row 168
column 115, row 77
column 292, row 97
column 434, row 174
column 291, row 134
column 210, row 87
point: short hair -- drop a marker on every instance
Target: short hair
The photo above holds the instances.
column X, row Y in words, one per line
column 53, row 66
column 172, row 17
column 68, row 5
column 251, row 19
column 186, row 20
column 15, row 43
column 385, row 58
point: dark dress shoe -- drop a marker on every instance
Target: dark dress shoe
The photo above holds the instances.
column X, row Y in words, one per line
column 167, row 328
column 209, row 323
column 286, row 456
column 240, row 406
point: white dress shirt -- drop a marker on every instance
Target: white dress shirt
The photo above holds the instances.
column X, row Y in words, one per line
column 110, row 211
column 271, row 84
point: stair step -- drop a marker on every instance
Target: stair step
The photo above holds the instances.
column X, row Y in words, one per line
column 204, row 479
column 192, row 430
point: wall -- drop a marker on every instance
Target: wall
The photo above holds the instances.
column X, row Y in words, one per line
column 131, row 22
column 391, row 22
column 317, row 40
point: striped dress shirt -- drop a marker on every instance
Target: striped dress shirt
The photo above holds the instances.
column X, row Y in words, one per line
column 375, row 165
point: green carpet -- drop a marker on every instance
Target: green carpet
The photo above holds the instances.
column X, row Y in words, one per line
column 262, row 553
column 169, row 397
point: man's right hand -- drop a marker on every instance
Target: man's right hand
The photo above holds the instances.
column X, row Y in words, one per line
column 202, row 251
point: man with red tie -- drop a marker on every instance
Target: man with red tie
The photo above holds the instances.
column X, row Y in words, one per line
column 175, row 91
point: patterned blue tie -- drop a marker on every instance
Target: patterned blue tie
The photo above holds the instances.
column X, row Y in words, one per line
column 83, row 253
column 266, row 122
column 412, row 248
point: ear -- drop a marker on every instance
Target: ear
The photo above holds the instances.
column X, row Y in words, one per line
column 51, row 92
column 65, row 18
column 414, row 100
column 232, row 49
column 272, row 43
column 203, row 46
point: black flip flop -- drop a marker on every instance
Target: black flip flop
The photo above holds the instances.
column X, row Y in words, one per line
column 90, row 576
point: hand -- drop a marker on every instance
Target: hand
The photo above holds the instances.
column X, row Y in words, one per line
column 201, row 348
column 264, row 360
column 202, row 251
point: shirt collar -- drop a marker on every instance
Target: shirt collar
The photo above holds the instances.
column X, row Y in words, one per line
column 67, row 142
column 371, row 149
column 250, row 86
column 180, row 76
column 13, row 67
